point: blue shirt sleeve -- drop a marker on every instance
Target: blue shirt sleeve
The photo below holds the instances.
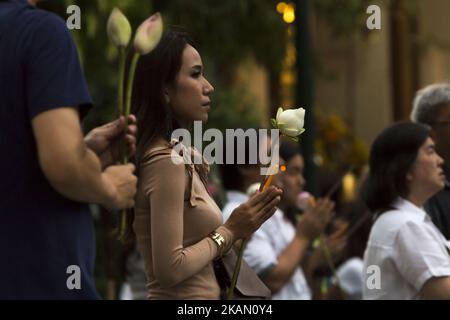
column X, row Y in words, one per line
column 54, row 77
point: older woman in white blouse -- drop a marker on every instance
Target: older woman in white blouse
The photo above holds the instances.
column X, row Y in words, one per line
column 406, row 256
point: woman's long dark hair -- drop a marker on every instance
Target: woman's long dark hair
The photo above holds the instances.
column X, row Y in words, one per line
column 154, row 72
column 392, row 155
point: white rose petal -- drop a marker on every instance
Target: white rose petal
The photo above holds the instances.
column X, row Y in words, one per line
column 291, row 122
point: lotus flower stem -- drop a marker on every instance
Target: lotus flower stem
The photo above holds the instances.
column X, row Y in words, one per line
column 266, row 183
column 329, row 260
column 123, row 223
column 123, row 213
column 120, row 82
column 120, row 89
column 128, row 97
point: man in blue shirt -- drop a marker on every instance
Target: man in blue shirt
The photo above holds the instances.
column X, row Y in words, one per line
column 48, row 170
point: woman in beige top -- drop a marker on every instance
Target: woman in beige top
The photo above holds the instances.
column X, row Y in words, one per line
column 179, row 228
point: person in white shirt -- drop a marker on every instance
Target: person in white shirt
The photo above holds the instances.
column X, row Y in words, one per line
column 406, row 257
column 277, row 250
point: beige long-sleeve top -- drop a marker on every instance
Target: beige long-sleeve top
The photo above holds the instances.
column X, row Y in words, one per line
column 174, row 214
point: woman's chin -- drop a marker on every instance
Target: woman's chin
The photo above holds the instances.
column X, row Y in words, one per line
column 203, row 118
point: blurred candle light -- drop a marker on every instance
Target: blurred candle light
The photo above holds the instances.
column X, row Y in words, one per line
column 281, row 6
column 289, row 13
column 287, row 10
column 348, row 186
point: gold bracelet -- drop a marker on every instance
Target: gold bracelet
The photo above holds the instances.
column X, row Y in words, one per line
column 217, row 238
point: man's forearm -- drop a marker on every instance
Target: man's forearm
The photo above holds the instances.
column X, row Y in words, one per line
column 82, row 179
column 68, row 164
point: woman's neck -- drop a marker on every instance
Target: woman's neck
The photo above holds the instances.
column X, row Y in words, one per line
column 418, row 202
column 182, row 124
column 417, row 197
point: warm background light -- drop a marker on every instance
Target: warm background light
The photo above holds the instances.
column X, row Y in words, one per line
column 287, row 10
column 348, row 186
column 289, row 14
column 281, row 6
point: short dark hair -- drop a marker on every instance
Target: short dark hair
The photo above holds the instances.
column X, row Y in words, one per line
column 392, row 155
column 289, row 149
column 231, row 176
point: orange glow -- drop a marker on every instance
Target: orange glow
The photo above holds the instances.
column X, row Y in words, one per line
column 281, row 6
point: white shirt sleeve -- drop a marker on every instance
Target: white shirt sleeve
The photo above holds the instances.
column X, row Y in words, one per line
column 228, row 210
column 418, row 255
column 259, row 253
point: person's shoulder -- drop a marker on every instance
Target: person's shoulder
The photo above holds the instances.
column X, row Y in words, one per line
column 37, row 19
column 43, row 29
column 26, row 20
column 386, row 226
column 162, row 151
column 394, row 217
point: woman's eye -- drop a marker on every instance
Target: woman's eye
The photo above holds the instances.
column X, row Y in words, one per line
column 196, row 74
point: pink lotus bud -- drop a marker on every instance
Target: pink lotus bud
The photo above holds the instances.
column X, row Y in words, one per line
column 118, row 28
column 148, row 34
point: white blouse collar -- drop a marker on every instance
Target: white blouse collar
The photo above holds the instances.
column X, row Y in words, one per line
column 406, row 205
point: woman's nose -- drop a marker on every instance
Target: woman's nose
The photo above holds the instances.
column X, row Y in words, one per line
column 208, row 88
column 440, row 160
column 301, row 181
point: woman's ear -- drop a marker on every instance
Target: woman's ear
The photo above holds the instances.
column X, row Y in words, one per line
column 409, row 176
column 166, row 94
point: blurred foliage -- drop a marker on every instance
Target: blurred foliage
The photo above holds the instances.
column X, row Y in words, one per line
column 343, row 17
column 233, row 109
column 230, row 30
column 97, row 54
column 337, row 145
column 226, row 33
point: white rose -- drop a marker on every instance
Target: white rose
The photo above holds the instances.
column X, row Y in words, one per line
column 290, row 122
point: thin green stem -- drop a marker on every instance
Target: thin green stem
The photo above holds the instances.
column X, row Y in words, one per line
column 120, row 81
column 123, row 224
column 120, row 90
column 329, row 260
column 128, row 96
column 237, row 268
column 123, row 218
